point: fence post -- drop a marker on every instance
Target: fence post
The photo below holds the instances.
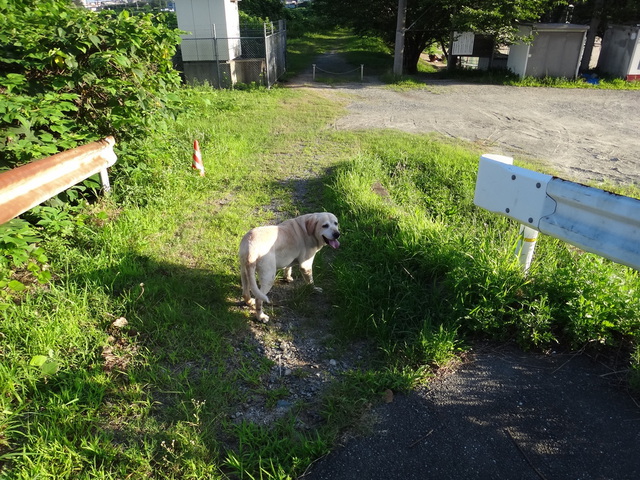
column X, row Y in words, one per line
column 314, row 72
column 361, row 72
column 104, row 181
column 526, row 246
column 215, row 48
column 266, row 55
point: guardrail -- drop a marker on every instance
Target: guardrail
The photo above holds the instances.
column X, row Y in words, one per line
column 29, row 185
column 594, row 220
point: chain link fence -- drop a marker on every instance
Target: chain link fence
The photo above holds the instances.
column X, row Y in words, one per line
column 257, row 56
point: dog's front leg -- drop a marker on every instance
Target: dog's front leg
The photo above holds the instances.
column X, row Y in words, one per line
column 287, row 275
column 306, row 268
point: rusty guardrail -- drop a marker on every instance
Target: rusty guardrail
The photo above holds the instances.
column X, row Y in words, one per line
column 29, row 185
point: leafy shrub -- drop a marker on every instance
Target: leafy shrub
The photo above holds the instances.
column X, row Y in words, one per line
column 19, row 250
column 73, row 76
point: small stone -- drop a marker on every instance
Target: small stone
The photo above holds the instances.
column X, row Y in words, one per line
column 120, row 322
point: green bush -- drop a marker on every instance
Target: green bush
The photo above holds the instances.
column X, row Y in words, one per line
column 72, row 76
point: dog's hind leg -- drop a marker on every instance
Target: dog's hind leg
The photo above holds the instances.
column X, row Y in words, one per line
column 267, row 276
column 246, row 289
column 265, row 286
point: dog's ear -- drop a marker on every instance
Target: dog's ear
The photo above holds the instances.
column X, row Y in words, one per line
column 310, row 224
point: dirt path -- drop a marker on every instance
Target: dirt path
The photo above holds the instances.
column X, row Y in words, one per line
column 504, row 413
column 585, row 135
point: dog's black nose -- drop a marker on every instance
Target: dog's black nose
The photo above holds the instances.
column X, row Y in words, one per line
column 336, row 235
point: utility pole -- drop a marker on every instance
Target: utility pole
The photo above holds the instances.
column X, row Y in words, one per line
column 591, row 35
column 398, row 57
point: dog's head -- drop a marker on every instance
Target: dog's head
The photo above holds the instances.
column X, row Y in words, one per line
column 323, row 226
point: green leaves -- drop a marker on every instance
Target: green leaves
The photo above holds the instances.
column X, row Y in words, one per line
column 74, row 76
column 45, row 364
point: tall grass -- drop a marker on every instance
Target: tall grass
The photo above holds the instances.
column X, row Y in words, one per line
column 424, row 271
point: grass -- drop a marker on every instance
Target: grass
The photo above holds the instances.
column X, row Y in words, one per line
column 421, row 274
column 367, row 51
column 504, row 77
column 449, row 269
column 152, row 398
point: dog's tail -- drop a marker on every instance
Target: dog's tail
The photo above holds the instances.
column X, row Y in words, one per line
column 249, row 273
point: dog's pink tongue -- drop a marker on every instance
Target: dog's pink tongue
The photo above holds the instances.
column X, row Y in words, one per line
column 334, row 243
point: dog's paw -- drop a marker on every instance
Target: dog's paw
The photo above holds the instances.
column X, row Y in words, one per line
column 251, row 302
column 262, row 317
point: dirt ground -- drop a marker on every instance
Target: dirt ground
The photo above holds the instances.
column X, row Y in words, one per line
column 584, row 135
column 503, row 413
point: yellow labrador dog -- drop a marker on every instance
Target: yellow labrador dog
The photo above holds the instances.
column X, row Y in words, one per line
column 264, row 250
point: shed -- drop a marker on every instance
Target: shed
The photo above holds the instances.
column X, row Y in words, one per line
column 212, row 41
column 556, row 50
column 475, row 50
column 620, row 52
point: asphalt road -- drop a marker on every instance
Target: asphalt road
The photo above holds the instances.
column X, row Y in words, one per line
column 503, row 415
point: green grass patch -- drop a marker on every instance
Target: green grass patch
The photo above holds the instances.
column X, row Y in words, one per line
column 126, row 365
column 424, row 270
column 368, row 51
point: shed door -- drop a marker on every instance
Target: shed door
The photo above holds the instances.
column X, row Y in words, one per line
column 555, row 54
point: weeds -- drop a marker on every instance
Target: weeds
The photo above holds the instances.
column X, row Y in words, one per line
column 445, row 271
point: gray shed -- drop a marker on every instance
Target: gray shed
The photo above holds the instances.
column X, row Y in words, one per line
column 620, row 53
column 556, row 50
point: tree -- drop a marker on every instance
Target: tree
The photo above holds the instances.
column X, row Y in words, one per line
column 430, row 22
column 263, row 9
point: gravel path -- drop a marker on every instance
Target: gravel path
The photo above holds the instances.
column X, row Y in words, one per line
column 584, row 135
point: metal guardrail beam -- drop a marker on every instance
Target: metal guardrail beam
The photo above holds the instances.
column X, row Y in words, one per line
column 29, row 185
column 592, row 219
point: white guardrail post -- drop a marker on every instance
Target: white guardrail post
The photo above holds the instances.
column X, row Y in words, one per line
column 29, row 185
column 594, row 220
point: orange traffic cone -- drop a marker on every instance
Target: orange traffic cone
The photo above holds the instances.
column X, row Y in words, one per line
column 197, row 158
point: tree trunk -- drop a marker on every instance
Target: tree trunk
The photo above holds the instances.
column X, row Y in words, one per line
column 414, row 45
column 411, row 58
